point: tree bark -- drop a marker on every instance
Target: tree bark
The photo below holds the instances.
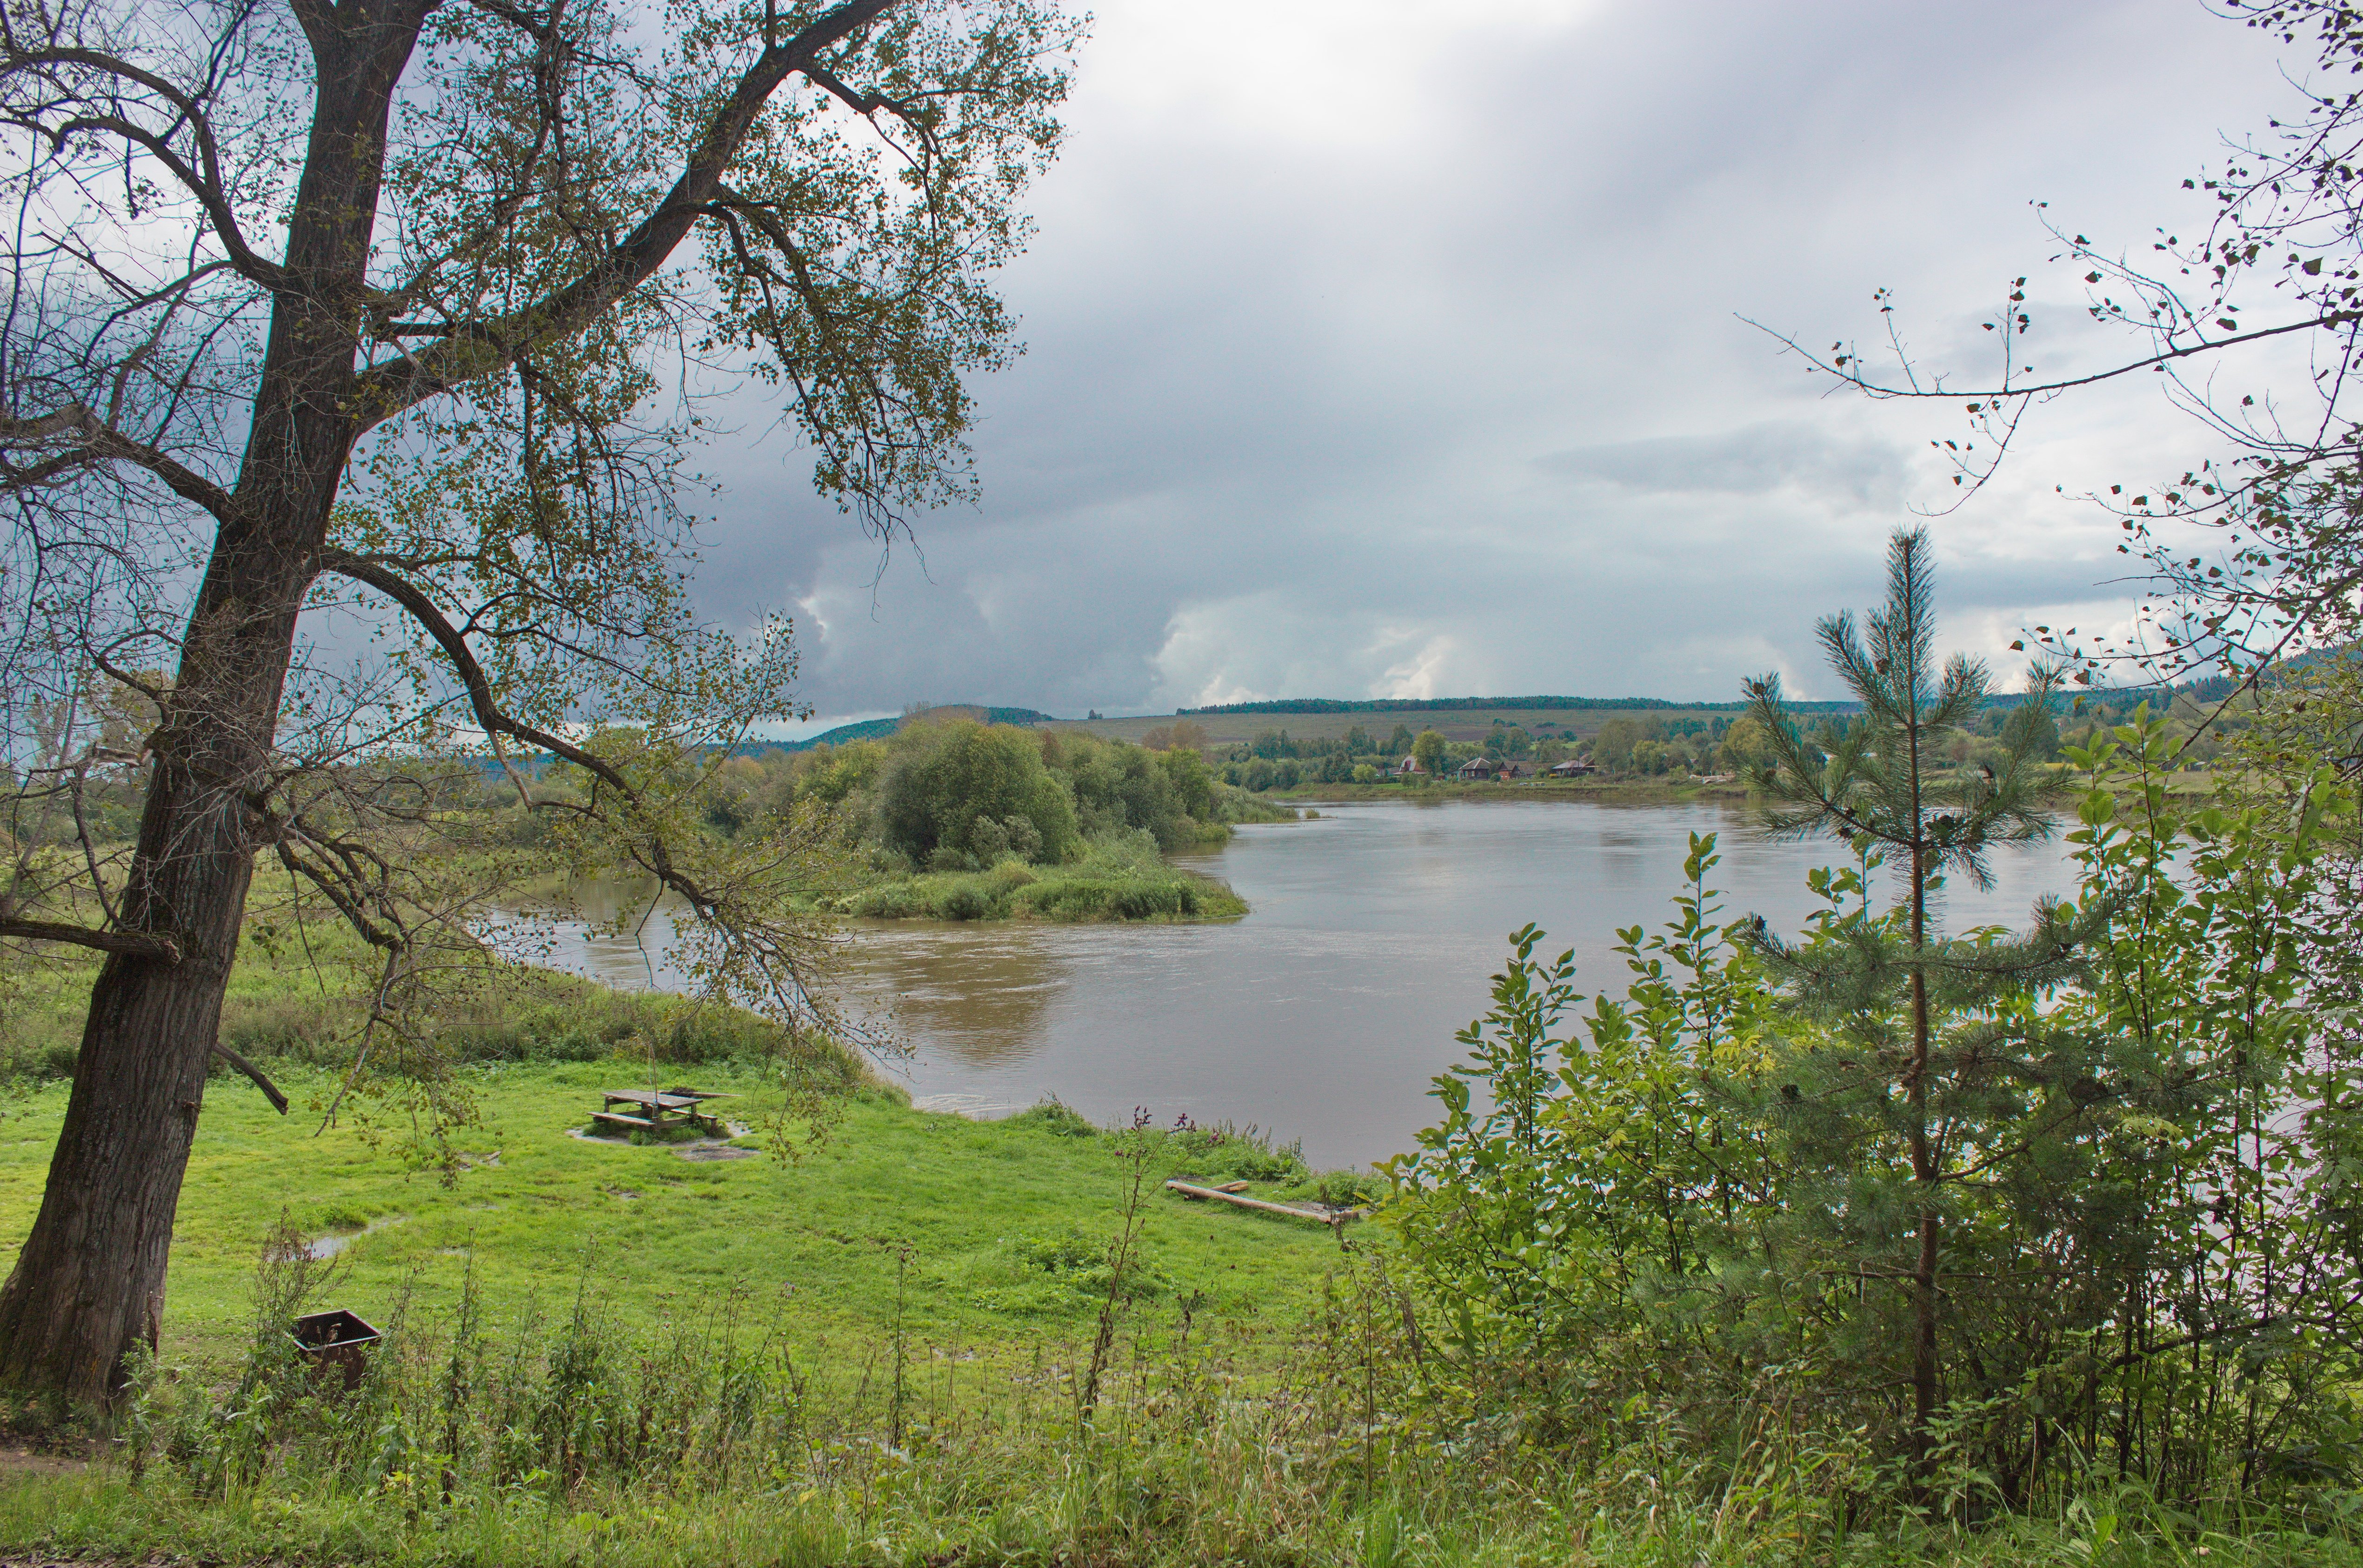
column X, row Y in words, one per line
column 89, row 1281
column 89, row 1284
column 1924, row 1164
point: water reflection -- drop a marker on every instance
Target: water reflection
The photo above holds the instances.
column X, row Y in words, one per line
column 979, row 996
column 1325, row 1013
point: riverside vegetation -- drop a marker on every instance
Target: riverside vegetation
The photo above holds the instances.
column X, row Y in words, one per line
column 949, row 819
column 1654, row 1287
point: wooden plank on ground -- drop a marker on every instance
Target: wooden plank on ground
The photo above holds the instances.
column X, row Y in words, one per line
column 1318, row 1216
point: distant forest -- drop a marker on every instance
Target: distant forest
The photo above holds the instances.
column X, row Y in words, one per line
column 2210, row 690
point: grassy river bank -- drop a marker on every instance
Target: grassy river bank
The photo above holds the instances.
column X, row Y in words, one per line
column 895, row 1338
column 924, row 1340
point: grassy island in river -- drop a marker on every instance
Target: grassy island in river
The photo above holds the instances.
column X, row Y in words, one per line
column 956, row 819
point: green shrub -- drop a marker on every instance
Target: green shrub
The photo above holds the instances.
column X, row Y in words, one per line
column 966, row 901
column 1105, row 897
column 1056, row 1116
column 975, row 791
column 891, row 900
column 1225, row 1154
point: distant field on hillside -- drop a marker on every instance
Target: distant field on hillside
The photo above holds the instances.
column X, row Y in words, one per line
column 1460, row 724
column 1310, row 724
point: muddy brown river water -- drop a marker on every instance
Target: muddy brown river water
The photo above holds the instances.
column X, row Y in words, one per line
column 1323, row 1014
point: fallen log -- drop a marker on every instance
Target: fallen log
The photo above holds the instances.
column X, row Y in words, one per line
column 1330, row 1217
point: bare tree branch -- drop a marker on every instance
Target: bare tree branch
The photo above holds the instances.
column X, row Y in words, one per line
column 129, row 944
column 205, row 185
column 97, row 442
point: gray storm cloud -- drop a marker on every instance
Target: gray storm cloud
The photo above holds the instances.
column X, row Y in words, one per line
column 1401, row 358
column 1752, row 461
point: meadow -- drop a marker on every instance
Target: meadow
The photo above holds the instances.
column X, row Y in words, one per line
column 885, row 1336
column 922, row 1340
column 992, row 1230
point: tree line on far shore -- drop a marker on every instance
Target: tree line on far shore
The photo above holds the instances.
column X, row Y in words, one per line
column 1653, row 745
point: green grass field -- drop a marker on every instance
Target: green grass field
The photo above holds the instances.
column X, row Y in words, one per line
column 996, row 1227
column 876, row 1353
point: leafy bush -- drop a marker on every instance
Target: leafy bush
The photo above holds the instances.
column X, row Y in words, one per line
column 1703, row 1185
column 1055, row 1116
column 976, row 792
column 1225, row 1152
column 1119, row 875
column 1096, row 897
column 965, row 901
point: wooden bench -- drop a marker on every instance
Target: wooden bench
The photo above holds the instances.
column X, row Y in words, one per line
column 621, row 1120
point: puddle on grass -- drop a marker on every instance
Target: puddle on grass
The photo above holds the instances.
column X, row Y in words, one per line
column 329, row 1246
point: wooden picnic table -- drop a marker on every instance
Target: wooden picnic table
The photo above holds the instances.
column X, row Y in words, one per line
column 655, row 1105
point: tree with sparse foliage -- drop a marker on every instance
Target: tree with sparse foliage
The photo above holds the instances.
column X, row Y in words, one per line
column 2254, row 549
column 1614, row 746
column 403, row 313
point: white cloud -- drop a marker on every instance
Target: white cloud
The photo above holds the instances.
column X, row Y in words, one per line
column 1390, row 348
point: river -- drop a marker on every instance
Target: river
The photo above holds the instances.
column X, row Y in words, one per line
column 1323, row 1014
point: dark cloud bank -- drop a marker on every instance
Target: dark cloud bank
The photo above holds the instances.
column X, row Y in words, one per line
column 1402, row 360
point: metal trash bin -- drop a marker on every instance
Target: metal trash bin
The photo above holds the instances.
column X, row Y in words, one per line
column 337, row 1340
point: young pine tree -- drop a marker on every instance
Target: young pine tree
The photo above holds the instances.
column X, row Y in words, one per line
column 1907, row 1052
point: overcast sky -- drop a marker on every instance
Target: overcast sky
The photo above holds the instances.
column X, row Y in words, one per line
column 1388, row 349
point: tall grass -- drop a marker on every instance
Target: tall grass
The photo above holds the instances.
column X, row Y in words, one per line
column 1337, row 1436
column 539, row 1016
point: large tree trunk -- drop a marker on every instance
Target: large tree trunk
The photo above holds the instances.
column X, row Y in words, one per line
column 90, row 1282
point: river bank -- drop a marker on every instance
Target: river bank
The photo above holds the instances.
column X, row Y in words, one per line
column 922, row 1340
column 994, row 1228
column 1628, row 790
column 902, row 1337
column 1637, row 790
column 1112, row 879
